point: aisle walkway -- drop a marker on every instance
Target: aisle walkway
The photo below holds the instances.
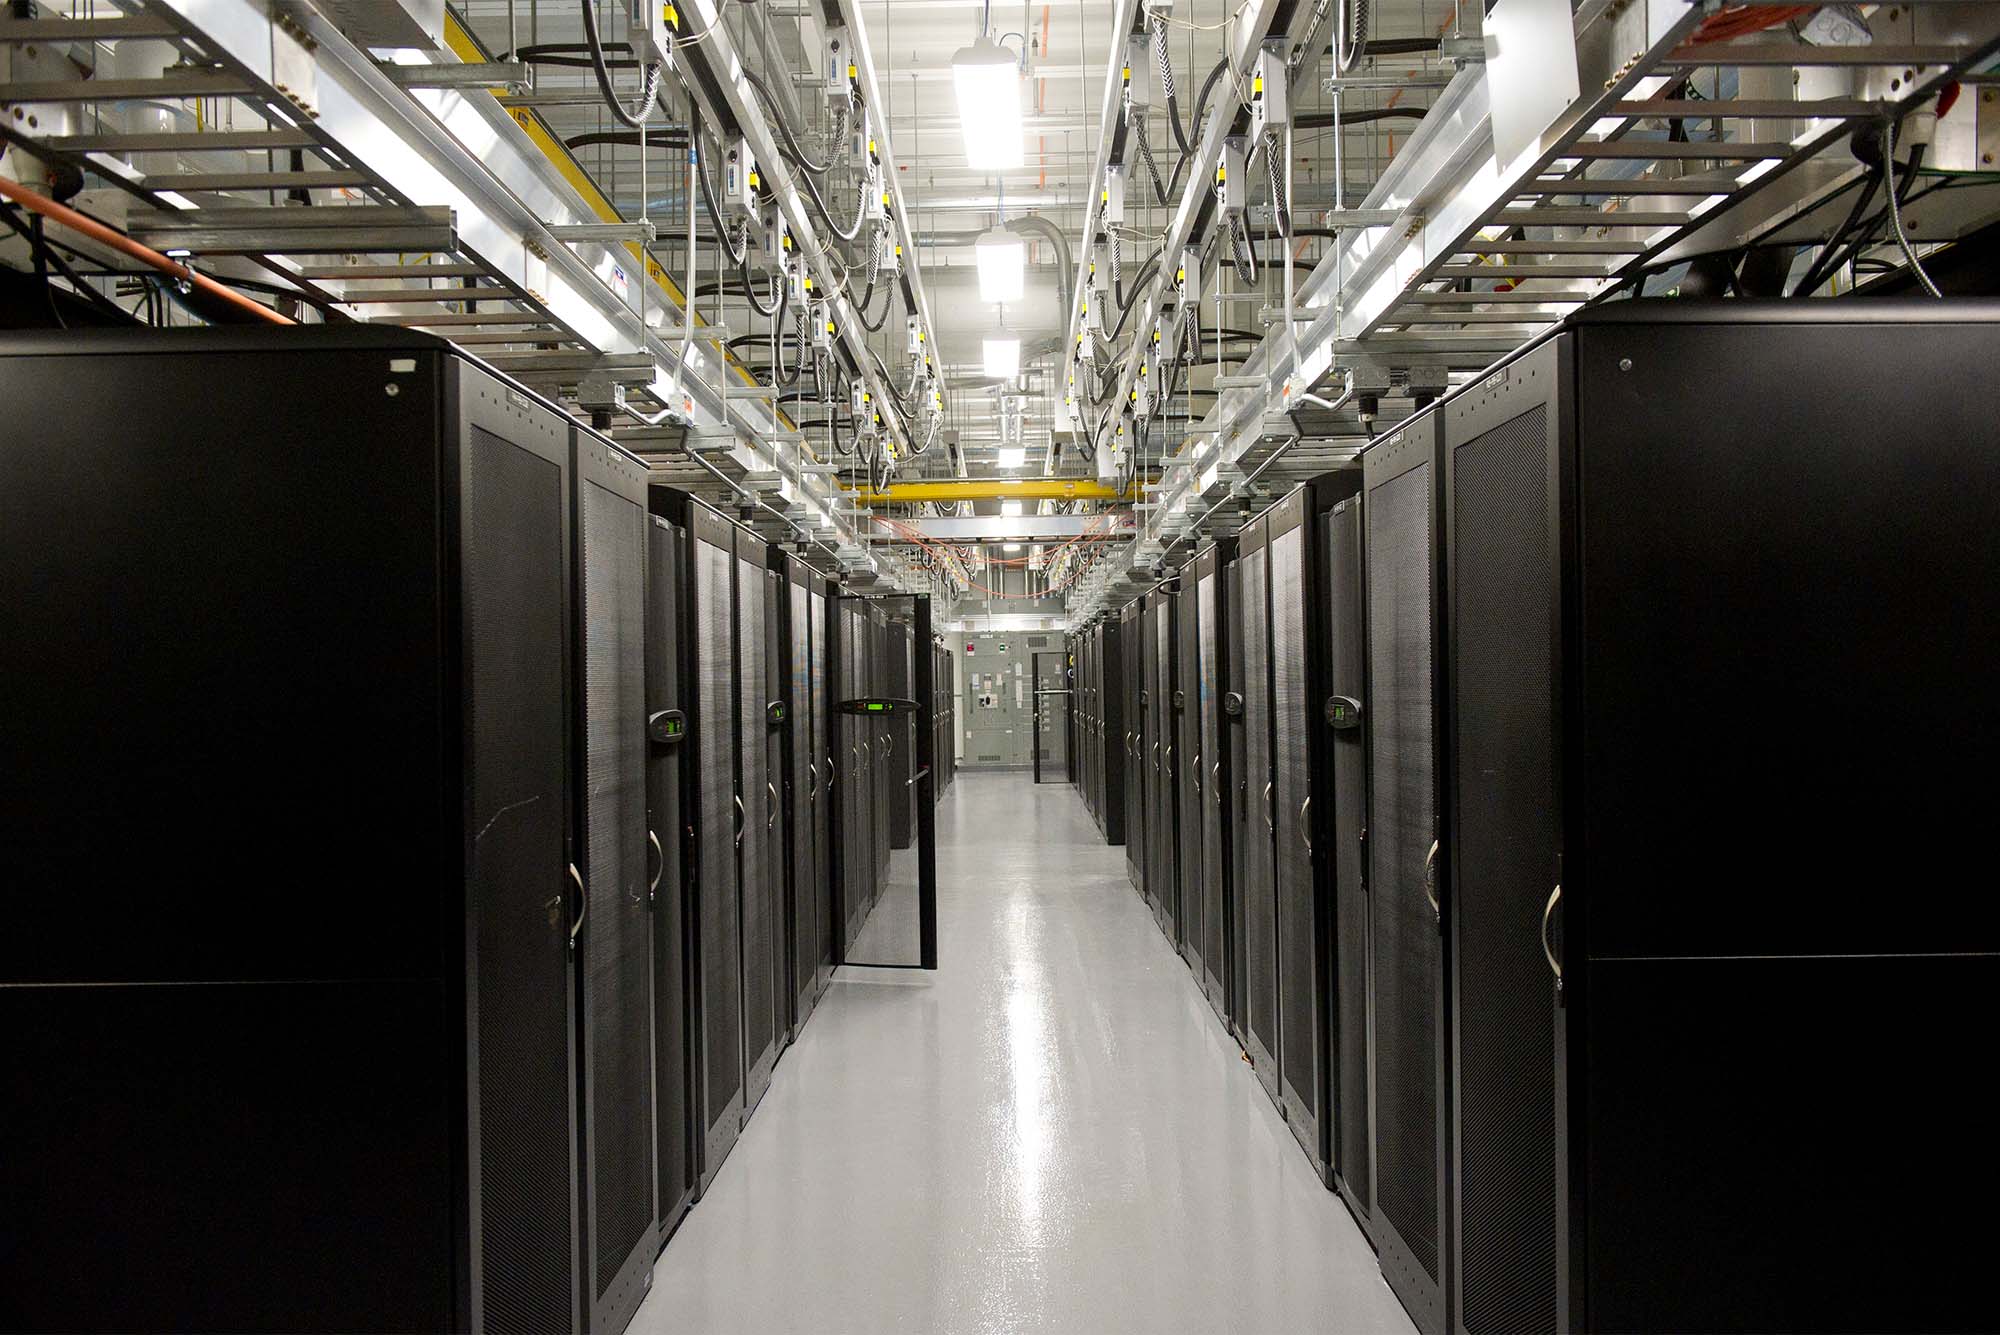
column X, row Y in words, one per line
column 1052, row 1133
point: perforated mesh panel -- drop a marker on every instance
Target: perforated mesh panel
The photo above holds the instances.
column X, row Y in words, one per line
column 822, row 727
column 759, row 1015
column 1187, row 752
column 1400, row 831
column 1350, row 897
column 715, row 742
column 516, row 738
column 804, row 832
column 1213, row 776
column 672, row 1065
column 1260, row 910
column 618, row 998
column 1298, row 1006
column 1502, row 610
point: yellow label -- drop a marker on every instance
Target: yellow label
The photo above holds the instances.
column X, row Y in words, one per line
column 753, row 180
column 829, row 326
column 1257, row 86
column 851, row 70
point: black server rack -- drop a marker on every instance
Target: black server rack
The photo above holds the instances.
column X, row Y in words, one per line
column 714, row 812
column 608, row 523
column 1214, row 777
column 1160, row 825
column 755, row 817
column 1111, row 758
column 1342, row 828
column 777, row 817
column 1185, row 704
column 318, row 662
column 667, row 644
column 881, row 745
column 1236, row 804
column 800, row 787
column 1401, row 491
column 1730, row 669
column 820, row 598
column 1296, row 889
column 1131, row 632
column 900, row 737
column 1257, row 906
column 854, row 852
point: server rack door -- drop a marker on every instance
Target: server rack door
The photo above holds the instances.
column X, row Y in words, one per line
column 1501, row 578
column 1130, row 678
column 855, row 821
column 824, row 776
column 1300, row 1034
column 717, row 813
column 777, row 819
column 1240, row 800
column 514, row 583
column 902, row 738
column 883, row 759
column 668, row 828
column 760, row 989
column 1186, row 703
column 1112, row 736
column 1348, row 997
column 1406, row 1073
column 1153, row 873
column 1213, row 783
column 802, row 790
column 614, row 947
column 1166, row 844
column 1259, row 897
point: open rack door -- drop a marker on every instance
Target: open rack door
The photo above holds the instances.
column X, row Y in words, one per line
column 883, row 734
column 1050, row 674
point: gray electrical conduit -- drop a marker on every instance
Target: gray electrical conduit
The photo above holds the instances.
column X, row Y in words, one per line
column 1331, row 405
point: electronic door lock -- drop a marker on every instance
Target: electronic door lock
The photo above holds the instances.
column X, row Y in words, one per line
column 1343, row 713
column 1180, row 701
column 1232, row 703
column 774, row 714
column 666, row 726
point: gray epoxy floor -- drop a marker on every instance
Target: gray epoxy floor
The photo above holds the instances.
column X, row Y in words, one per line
column 1050, row 1133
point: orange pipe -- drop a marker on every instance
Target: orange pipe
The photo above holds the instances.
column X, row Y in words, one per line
column 146, row 255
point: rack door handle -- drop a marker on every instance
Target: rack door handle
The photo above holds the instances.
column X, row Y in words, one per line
column 1548, row 950
column 582, row 907
column 1197, row 771
column 770, row 806
column 830, row 771
column 1305, row 830
column 1215, row 778
column 1431, row 881
column 653, row 885
column 742, row 817
column 1269, row 823
column 812, row 783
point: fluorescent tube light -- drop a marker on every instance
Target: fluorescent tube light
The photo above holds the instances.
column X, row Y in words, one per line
column 1001, row 357
column 1003, row 263
column 1013, row 457
column 987, row 78
column 1011, row 509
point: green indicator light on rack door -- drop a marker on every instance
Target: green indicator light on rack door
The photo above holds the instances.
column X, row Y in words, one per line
column 876, row 706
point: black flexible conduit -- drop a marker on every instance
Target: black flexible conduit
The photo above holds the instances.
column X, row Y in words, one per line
column 736, row 254
column 633, row 119
column 1166, row 68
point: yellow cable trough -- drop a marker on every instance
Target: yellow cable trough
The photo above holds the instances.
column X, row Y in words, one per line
column 994, row 489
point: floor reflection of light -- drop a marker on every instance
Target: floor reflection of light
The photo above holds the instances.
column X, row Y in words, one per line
column 1029, row 1053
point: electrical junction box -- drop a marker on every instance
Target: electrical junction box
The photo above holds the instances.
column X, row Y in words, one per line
column 1113, row 197
column 1267, row 90
column 739, row 180
column 839, row 68
column 1229, row 174
column 649, row 30
column 1138, row 86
